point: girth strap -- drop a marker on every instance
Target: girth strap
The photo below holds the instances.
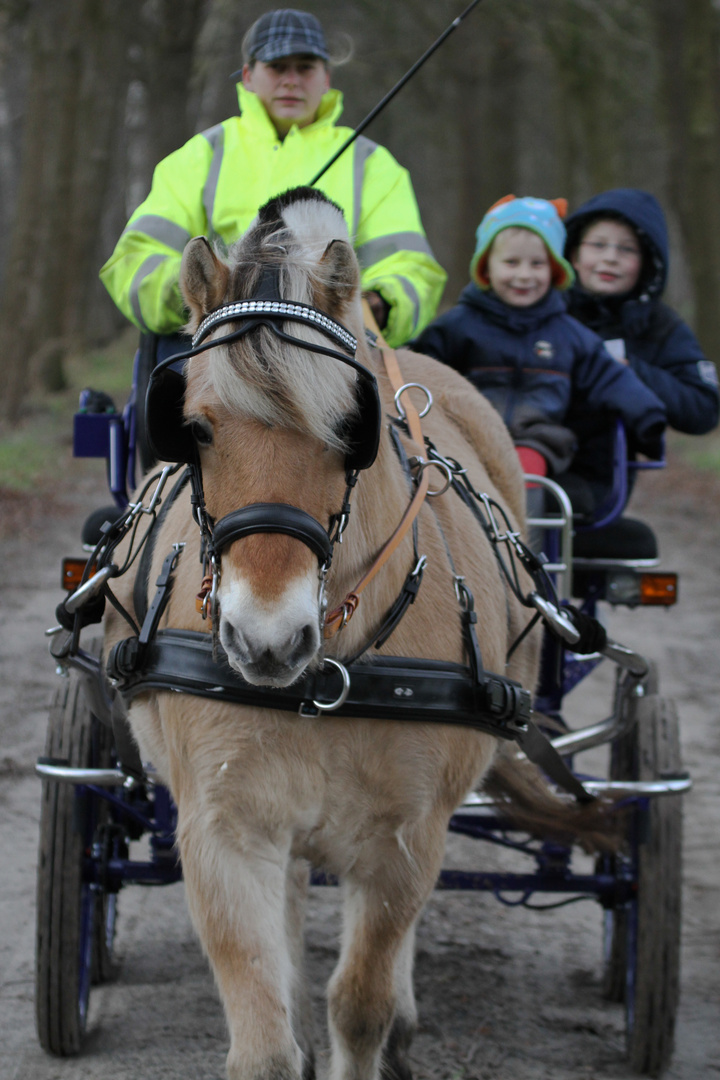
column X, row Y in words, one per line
column 540, row 750
column 272, row 518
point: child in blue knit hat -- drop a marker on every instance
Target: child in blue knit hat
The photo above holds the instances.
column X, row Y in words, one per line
column 511, row 335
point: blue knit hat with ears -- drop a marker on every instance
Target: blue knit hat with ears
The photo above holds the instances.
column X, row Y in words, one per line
column 540, row 216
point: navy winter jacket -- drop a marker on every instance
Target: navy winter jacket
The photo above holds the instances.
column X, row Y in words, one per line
column 660, row 347
column 540, row 358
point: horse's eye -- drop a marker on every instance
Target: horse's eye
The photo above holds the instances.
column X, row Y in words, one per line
column 201, row 433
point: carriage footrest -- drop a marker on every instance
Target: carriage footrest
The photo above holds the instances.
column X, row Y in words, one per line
column 62, row 772
column 666, row 785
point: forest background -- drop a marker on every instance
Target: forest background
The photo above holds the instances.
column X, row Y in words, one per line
column 541, row 97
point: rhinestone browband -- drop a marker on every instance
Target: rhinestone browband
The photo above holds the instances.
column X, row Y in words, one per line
column 246, row 309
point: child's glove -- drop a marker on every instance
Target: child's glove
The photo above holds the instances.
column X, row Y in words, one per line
column 651, row 441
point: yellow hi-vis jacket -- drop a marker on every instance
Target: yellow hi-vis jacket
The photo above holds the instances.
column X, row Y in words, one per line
column 215, row 184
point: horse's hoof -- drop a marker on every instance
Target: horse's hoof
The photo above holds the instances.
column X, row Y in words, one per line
column 395, row 1069
column 394, row 1065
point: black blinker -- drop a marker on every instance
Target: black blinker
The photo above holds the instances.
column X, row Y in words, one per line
column 363, row 431
column 170, row 438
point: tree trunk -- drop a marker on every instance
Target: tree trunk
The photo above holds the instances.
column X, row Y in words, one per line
column 108, row 31
column 77, row 88
column 169, row 36
column 33, row 301
column 688, row 38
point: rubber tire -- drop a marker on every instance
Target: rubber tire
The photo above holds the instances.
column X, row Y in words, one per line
column 71, row 952
column 623, row 755
column 646, row 936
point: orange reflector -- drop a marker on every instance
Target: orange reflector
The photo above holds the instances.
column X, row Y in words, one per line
column 658, row 589
column 72, row 572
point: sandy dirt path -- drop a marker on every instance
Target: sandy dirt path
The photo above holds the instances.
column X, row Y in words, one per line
column 504, row 993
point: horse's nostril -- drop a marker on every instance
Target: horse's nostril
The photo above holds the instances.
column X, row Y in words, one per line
column 303, row 638
column 303, row 643
column 262, row 657
column 233, row 642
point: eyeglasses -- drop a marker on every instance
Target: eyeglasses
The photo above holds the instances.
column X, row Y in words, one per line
column 603, row 246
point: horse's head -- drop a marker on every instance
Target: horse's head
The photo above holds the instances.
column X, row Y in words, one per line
column 274, row 422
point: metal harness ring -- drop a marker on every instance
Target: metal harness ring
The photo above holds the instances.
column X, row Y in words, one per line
column 421, row 464
column 418, row 386
column 331, row 705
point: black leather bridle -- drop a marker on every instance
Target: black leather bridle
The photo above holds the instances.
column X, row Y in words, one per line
column 264, row 308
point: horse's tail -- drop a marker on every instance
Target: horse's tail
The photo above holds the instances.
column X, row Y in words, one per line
column 524, row 795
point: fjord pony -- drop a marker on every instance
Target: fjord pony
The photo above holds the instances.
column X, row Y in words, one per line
column 261, row 793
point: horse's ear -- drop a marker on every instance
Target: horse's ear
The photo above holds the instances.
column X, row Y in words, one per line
column 340, row 269
column 203, row 279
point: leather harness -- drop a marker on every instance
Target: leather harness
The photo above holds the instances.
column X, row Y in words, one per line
column 390, row 688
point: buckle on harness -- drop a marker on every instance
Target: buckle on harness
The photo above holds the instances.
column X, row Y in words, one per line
column 509, row 701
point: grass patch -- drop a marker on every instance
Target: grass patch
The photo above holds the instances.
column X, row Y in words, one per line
column 37, row 452
column 23, row 459
column 699, row 452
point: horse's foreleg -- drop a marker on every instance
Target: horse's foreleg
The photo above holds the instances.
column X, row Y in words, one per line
column 303, row 1022
column 239, row 903
column 371, row 1005
column 395, row 1065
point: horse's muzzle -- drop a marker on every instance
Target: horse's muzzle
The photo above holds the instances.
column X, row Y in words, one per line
column 265, row 665
column 270, row 643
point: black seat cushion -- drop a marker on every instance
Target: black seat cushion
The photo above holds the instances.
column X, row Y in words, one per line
column 583, row 494
column 92, row 529
column 625, row 538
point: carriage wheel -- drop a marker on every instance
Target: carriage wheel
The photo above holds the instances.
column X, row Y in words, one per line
column 646, row 933
column 75, row 921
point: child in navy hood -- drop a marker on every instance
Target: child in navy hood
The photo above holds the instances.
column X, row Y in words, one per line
column 618, row 245
column 511, row 335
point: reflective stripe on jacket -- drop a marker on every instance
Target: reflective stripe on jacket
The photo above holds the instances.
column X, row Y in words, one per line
column 215, row 184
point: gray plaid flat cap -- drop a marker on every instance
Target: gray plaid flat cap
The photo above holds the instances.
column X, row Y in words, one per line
column 285, row 32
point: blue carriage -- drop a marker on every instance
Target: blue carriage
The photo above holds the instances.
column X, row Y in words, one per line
column 99, row 798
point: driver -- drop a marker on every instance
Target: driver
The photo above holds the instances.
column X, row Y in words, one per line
column 285, row 133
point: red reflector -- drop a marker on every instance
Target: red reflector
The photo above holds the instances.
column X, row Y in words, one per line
column 532, row 461
column 659, row 589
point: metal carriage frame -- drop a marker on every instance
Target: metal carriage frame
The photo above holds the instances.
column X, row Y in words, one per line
column 94, row 808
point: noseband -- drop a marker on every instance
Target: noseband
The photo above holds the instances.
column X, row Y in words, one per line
column 272, row 518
